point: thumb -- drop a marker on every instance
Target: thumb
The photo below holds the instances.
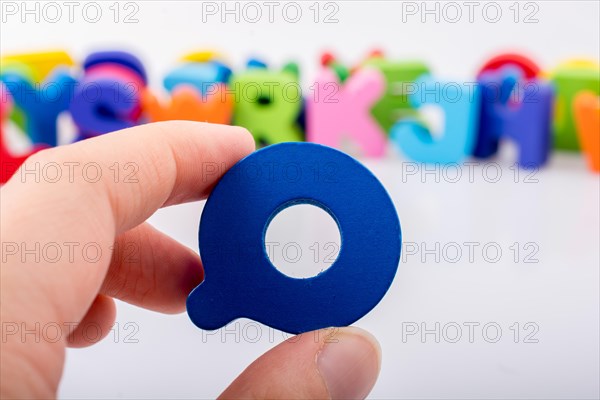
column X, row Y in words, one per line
column 334, row 363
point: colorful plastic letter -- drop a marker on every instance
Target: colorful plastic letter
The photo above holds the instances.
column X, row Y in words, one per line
column 587, row 117
column 256, row 63
column 239, row 211
column 460, row 105
column 9, row 163
column 328, row 60
column 41, row 64
column 17, row 115
column 527, row 66
column 201, row 56
column 187, row 104
column 569, row 79
column 267, row 103
column 108, row 97
column 200, row 75
column 394, row 104
column 517, row 109
column 123, row 58
column 41, row 103
column 335, row 111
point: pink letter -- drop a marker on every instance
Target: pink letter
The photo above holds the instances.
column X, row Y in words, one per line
column 336, row 110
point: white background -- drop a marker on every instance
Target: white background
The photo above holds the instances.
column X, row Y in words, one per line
column 557, row 210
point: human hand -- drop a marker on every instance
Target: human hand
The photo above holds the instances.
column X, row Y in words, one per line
column 55, row 209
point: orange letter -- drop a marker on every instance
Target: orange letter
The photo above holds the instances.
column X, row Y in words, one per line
column 187, row 104
column 587, row 117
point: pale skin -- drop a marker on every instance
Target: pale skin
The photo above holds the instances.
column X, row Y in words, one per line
column 111, row 213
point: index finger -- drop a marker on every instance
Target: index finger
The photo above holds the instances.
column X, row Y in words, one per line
column 140, row 170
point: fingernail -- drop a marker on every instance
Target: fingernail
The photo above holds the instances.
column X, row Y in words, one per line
column 349, row 363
